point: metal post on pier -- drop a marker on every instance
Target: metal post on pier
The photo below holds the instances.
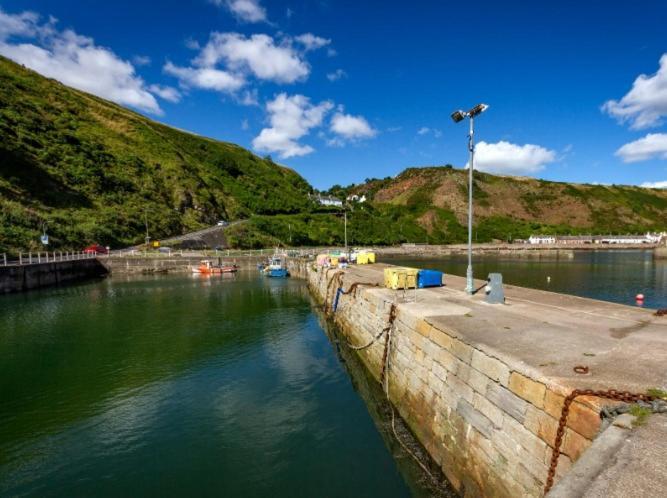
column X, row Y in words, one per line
column 4, row 256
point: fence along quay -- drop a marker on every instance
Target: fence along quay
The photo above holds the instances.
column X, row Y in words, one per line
column 483, row 386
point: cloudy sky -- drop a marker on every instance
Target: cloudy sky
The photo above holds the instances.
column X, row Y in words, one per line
column 346, row 90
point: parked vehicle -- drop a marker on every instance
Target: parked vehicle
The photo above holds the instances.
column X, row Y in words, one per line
column 222, row 223
column 96, row 249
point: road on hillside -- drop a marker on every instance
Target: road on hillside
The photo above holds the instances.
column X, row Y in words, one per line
column 215, row 232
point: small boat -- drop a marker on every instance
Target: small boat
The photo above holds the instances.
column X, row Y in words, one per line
column 208, row 268
column 276, row 268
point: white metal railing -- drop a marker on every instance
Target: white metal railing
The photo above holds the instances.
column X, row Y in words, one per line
column 39, row 257
column 31, row 258
column 185, row 253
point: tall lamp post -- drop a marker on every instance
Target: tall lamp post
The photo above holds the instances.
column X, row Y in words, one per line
column 459, row 116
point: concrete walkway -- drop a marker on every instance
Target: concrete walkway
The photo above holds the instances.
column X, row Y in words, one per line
column 622, row 463
column 624, row 347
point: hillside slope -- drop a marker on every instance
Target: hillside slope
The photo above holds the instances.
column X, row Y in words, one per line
column 94, row 171
column 431, row 205
column 527, row 203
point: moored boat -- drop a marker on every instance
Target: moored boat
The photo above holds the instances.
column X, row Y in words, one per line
column 206, row 267
column 276, row 268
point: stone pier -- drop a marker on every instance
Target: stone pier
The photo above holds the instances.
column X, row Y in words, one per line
column 482, row 386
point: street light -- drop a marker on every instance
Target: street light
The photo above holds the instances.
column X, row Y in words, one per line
column 459, row 116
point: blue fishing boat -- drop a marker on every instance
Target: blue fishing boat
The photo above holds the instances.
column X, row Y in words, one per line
column 276, row 268
column 278, row 273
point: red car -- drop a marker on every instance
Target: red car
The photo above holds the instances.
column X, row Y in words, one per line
column 96, row 249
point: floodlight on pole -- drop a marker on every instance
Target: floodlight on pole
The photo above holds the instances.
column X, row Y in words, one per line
column 459, row 116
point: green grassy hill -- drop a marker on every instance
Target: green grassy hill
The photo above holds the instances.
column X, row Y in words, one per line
column 92, row 171
column 431, row 205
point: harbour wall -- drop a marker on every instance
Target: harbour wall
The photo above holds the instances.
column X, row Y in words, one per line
column 21, row 278
column 486, row 416
column 173, row 264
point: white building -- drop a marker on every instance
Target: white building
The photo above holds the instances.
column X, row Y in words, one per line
column 355, row 198
column 648, row 238
column 329, row 201
column 542, row 239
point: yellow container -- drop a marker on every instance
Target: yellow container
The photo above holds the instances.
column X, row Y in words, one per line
column 371, row 257
column 334, row 261
column 362, row 258
column 400, row 278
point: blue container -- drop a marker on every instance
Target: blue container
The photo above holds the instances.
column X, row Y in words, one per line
column 429, row 278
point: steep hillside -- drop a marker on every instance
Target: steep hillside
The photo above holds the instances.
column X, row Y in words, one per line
column 94, row 171
column 431, row 193
column 430, row 204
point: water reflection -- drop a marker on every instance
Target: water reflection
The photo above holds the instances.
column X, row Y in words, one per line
column 178, row 386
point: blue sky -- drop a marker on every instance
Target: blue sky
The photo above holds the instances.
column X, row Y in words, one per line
column 345, row 90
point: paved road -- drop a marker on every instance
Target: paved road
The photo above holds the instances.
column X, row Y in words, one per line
column 197, row 235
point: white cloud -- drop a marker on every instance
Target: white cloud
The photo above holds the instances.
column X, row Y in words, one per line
column 244, row 10
column 291, row 118
column 257, row 54
column 206, row 78
column 646, row 102
column 662, row 184
column 167, row 93
column 331, row 52
column 653, row 145
column 424, row 130
column 141, row 60
column 512, row 159
column 351, row 127
column 192, row 44
column 23, row 24
column 249, row 97
column 336, row 75
column 312, row 42
column 245, row 125
column 74, row 60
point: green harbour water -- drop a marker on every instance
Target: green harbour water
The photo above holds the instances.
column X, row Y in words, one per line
column 181, row 386
column 226, row 386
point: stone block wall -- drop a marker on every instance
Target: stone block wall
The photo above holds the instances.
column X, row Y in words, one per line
column 29, row 277
column 490, row 427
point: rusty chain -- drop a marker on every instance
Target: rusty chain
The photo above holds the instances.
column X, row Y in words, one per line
column 392, row 316
column 612, row 394
column 353, row 287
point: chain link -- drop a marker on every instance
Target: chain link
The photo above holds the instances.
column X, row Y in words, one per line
column 612, row 394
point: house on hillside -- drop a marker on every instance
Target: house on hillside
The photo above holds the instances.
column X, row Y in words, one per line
column 356, row 198
column 326, row 200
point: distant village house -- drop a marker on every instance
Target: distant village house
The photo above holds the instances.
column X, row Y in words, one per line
column 328, row 201
column 356, row 198
column 649, row 238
